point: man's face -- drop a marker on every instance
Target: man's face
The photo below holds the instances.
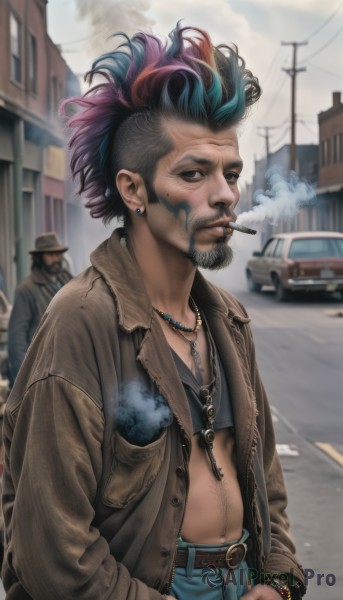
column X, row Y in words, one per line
column 52, row 262
column 196, row 185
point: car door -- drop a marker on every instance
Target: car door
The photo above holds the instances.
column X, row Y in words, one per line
column 276, row 260
column 263, row 263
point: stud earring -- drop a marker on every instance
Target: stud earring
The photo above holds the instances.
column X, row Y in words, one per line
column 138, row 211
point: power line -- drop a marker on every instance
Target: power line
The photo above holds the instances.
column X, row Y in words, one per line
column 307, row 58
column 308, row 128
column 281, row 124
column 85, row 39
column 278, row 90
column 325, row 71
column 271, row 65
column 281, row 137
column 326, row 21
column 307, row 116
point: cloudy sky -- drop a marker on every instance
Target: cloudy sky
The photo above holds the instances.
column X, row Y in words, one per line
column 258, row 27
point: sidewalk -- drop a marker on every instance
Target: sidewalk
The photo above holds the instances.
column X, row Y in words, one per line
column 314, row 483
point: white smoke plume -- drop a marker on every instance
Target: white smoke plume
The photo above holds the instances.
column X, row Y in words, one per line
column 141, row 416
column 284, row 198
column 111, row 16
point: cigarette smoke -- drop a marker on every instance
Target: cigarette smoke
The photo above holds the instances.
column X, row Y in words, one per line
column 111, row 16
column 284, row 198
column 141, row 416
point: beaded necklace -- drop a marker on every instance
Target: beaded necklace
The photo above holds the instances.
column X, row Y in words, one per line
column 177, row 325
column 207, row 434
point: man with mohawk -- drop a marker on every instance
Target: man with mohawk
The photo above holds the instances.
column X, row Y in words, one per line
column 140, row 457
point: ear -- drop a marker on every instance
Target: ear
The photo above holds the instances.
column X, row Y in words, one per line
column 132, row 189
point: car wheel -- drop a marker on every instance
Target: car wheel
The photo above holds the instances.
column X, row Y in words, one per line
column 281, row 294
column 252, row 285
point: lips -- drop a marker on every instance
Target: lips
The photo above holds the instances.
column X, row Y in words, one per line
column 222, row 223
column 216, row 230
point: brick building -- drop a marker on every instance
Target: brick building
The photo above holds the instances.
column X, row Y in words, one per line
column 33, row 79
column 330, row 181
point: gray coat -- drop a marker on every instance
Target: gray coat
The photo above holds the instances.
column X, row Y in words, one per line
column 31, row 300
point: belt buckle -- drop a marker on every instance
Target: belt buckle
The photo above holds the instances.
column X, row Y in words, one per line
column 235, row 554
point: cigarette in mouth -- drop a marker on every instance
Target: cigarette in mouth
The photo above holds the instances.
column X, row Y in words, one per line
column 231, row 226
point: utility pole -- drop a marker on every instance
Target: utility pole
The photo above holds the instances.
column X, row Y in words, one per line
column 293, row 73
column 267, row 128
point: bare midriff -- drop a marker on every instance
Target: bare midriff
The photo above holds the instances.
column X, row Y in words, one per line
column 214, row 511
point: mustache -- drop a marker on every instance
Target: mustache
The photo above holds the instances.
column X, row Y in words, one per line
column 202, row 223
column 183, row 208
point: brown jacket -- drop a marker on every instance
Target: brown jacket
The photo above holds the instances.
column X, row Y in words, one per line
column 89, row 515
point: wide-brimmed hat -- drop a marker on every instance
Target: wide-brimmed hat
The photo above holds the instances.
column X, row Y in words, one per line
column 48, row 242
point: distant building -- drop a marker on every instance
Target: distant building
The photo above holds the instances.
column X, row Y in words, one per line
column 330, row 181
column 306, row 168
column 34, row 78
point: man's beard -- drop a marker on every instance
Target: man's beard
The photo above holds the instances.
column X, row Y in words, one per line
column 53, row 269
column 217, row 258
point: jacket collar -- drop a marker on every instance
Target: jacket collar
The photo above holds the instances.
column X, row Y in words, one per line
column 122, row 275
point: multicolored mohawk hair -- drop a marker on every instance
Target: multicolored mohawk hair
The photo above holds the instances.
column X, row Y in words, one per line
column 186, row 77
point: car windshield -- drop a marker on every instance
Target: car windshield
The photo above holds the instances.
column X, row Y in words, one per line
column 316, row 248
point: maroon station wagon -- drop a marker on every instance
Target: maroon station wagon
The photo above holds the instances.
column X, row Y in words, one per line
column 307, row 261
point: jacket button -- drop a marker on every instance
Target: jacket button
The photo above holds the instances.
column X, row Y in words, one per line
column 180, row 471
column 175, row 501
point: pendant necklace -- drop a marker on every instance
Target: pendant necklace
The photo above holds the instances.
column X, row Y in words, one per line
column 207, row 434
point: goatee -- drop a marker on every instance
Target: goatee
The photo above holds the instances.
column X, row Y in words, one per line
column 217, row 258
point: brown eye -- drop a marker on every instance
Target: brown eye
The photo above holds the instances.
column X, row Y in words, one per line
column 189, row 175
column 232, row 177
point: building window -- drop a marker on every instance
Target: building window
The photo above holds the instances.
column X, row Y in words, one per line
column 53, row 96
column 58, row 216
column 54, row 215
column 32, row 64
column 325, row 153
column 337, row 147
column 15, row 30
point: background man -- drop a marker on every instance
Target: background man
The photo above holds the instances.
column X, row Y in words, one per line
column 140, row 454
column 33, row 295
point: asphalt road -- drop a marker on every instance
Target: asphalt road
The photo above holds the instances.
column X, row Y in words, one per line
column 299, row 348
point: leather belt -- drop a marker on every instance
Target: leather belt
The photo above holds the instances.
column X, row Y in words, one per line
column 230, row 558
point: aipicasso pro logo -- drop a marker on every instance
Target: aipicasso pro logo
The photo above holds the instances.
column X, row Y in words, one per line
column 213, row 577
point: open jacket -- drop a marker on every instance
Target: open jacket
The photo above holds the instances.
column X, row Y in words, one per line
column 89, row 515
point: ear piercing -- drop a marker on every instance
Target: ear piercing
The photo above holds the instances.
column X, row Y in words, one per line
column 139, row 211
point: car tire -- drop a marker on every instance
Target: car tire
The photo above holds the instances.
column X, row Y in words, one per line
column 281, row 294
column 252, row 285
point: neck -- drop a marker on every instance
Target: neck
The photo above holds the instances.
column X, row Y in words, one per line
column 50, row 276
column 168, row 275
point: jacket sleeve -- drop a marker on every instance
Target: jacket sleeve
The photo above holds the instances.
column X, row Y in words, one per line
column 19, row 327
column 56, row 455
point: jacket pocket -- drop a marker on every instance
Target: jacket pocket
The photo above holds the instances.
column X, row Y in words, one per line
column 134, row 469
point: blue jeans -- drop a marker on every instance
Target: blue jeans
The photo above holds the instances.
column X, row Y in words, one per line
column 210, row 583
